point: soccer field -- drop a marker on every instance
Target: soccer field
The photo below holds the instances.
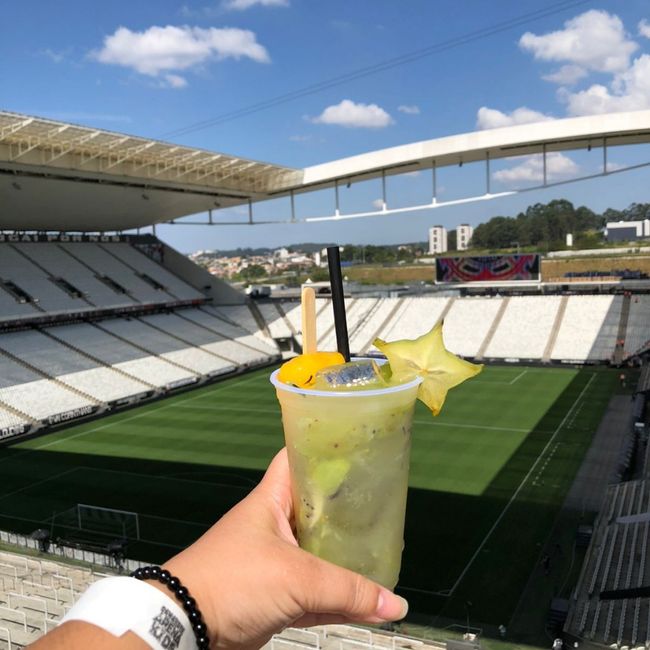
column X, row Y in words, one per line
column 487, row 477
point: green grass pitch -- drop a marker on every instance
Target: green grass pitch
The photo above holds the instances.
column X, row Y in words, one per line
column 487, row 477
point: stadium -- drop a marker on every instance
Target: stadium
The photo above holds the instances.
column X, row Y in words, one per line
column 135, row 406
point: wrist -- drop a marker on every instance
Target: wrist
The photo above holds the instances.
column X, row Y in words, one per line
column 164, row 581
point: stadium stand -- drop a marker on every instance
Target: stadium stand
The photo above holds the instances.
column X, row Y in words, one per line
column 617, row 558
column 636, row 335
column 54, row 259
column 468, row 323
column 155, row 340
column 149, row 271
column 122, row 355
column 525, row 328
column 349, row 637
column 416, row 318
column 276, row 322
column 35, row 594
column 31, row 284
column 74, row 369
column 376, row 320
column 242, row 316
column 253, row 349
column 27, row 391
column 589, row 329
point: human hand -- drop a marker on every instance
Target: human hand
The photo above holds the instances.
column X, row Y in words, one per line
column 251, row 580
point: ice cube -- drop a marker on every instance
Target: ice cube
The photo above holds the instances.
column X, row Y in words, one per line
column 355, row 375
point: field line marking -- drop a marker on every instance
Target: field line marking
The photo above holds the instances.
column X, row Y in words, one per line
column 243, row 408
column 219, row 407
column 159, row 476
column 519, row 376
column 45, row 480
column 521, row 485
column 469, row 426
column 136, row 416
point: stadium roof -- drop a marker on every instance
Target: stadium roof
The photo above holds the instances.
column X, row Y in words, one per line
column 55, row 176
column 58, row 176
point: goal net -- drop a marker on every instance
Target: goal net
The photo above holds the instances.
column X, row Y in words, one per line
column 108, row 522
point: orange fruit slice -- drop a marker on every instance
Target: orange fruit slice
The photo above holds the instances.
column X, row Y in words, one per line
column 301, row 370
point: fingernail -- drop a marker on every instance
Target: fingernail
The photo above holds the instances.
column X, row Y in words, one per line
column 390, row 606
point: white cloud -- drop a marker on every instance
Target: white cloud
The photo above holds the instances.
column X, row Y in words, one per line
column 161, row 49
column 300, row 138
column 567, row 75
column 491, row 118
column 531, row 169
column 54, row 55
column 409, row 110
column 175, row 81
column 594, row 40
column 629, row 91
column 644, row 28
column 242, row 5
column 353, row 115
column 378, row 204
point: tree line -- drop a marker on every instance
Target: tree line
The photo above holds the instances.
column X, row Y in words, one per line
column 546, row 225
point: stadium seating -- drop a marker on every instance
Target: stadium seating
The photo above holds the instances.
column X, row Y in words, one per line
column 144, row 265
column 277, row 324
column 242, row 316
column 58, row 263
column 34, row 595
column 155, row 340
column 230, row 353
column 45, row 295
column 69, row 367
column 589, row 329
column 55, row 278
column 349, row 637
column 525, row 327
column 637, row 333
column 121, row 355
column 103, row 263
column 365, row 331
column 468, row 323
column 416, row 318
column 254, row 349
column 617, row 559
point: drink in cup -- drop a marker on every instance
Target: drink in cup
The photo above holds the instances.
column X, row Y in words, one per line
column 347, row 428
column 349, row 458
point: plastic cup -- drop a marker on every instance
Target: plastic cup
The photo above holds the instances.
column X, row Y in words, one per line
column 349, row 462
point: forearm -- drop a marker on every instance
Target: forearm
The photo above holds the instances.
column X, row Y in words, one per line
column 76, row 635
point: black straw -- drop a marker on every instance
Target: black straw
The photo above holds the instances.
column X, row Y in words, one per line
column 338, row 301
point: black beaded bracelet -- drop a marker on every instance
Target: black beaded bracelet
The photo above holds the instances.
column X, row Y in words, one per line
column 182, row 595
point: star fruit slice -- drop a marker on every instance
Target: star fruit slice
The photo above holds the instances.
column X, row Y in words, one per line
column 427, row 357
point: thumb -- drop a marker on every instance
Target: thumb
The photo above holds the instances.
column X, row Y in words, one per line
column 330, row 589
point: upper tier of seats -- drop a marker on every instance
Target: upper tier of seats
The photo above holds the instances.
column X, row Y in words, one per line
column 54, row 278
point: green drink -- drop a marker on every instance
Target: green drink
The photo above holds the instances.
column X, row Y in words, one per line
column 349, row 460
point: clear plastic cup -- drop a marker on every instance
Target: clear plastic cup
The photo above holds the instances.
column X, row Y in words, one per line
column 349, row 461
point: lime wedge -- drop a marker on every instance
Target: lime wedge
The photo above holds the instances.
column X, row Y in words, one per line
column 427, row 357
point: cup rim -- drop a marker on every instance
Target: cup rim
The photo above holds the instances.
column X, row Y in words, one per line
column 345, row 393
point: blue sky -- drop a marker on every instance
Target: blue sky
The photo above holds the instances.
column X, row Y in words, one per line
column 153, row 68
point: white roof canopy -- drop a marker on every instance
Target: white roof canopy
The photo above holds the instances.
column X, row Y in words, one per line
column 58, row 176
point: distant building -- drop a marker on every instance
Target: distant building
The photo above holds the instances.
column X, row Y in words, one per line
column 464, row 234
column 627, row 230
column 437, row 240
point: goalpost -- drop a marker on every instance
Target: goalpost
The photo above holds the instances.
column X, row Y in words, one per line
column 109, row 521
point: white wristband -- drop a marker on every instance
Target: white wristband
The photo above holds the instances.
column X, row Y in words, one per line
column 120, row 604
